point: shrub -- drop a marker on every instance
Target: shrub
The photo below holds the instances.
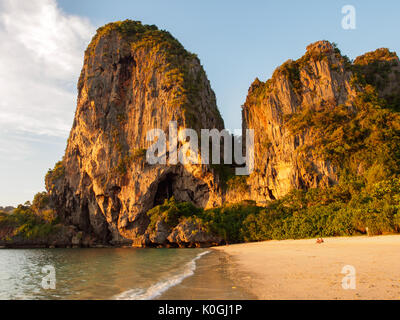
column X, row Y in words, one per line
column 238, row 183
column 227, row 221
column 171, row 213
column 25, row 223
column 224, row 172
column 55, row 174
column 40, row 201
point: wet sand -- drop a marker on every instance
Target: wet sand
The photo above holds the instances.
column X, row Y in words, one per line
column 303, row 269
column 216, row 278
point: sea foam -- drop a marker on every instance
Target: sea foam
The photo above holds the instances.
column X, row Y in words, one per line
column 162, row 286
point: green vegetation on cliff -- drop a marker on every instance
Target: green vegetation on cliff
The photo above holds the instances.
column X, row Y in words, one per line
column 291, row 69
column 381, row 70
column 341, row 210
column 225, row 222
column 54, row 174
column 349, row 208
column 171, row 213
column 364, row 139
column 29, row 222
column 178, row 64
column 26, row 224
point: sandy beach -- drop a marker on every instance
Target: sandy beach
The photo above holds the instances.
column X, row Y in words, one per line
column 303, row 269
column 215, row 278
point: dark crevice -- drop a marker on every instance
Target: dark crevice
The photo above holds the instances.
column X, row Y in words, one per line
column 127, row 64
column 271, row 195
column 84, row 223
column 164, row 190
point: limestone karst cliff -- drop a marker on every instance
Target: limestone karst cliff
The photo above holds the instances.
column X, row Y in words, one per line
column 135, row 78
column 310, row 122
column 321, row 82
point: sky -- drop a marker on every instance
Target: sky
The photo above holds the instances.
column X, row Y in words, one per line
column 42, row 43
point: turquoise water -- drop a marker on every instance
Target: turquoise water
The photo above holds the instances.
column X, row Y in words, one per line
column 95, row 273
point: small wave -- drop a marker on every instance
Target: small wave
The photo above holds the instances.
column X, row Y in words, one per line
column 160, row 287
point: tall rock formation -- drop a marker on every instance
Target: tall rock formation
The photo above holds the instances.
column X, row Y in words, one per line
column 321, row 81
column 135, row 78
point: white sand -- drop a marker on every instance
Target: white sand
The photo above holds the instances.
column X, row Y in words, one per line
column 302, row 269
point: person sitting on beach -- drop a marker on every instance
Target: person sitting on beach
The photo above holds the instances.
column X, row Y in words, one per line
column 320, row 240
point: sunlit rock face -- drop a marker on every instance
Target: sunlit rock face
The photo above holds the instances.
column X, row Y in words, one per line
column 324, row 80
column 135, row 78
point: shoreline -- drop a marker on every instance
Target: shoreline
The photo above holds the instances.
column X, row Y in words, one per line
column 305, row 270
column 213, row 279
column 292, row 270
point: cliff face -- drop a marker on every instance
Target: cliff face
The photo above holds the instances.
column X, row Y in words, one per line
column 321, row 81
column 308, row 121
column 135, row 78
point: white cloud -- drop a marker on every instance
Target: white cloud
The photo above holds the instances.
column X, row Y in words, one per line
column 41, row 55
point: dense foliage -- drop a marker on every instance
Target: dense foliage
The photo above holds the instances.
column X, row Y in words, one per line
column 171, row 213
column 29, row 222
column 341, row 210
column 346, row 209
column 55, row 174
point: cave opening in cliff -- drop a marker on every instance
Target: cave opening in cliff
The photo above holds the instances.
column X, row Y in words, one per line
column 165, row 190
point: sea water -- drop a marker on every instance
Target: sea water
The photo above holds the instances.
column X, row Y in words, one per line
column 109, row 273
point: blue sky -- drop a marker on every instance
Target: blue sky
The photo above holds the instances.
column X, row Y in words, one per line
column 235, row 41
column 240, row 40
